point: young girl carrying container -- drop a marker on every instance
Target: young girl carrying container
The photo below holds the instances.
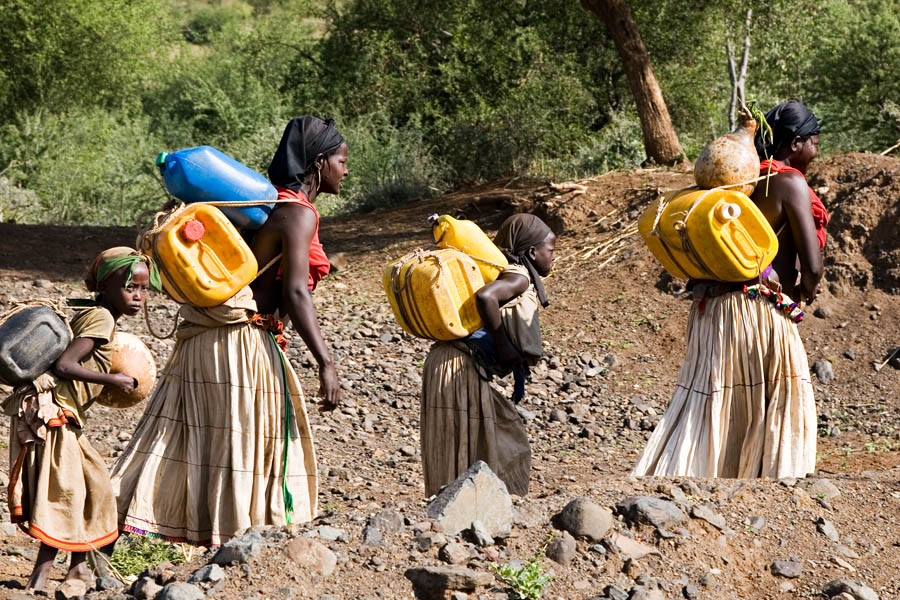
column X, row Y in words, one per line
column 60, row 490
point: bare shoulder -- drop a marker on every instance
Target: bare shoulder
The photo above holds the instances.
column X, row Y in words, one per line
column 790, row 184
column 290, row 216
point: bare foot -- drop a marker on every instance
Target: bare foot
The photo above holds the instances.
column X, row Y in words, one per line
column 78, row 568
column 41, row 571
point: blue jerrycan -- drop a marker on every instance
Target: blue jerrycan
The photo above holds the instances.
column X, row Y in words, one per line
column 203, row 174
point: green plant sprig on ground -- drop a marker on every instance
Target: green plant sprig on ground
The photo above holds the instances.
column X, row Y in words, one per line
column 528, row 581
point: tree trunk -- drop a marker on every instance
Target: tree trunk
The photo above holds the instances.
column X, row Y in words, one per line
column 738, row 77
column 660, row 139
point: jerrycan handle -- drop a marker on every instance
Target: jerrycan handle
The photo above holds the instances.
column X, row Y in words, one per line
column 436, row 222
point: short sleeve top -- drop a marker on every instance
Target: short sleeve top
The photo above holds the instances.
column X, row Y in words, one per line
column 520, row 318
column 74, row 397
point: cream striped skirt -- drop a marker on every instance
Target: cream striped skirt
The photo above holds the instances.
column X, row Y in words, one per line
column 743, row 404
column 215, row 451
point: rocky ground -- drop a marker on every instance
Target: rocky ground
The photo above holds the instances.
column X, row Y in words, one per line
column 614, row 339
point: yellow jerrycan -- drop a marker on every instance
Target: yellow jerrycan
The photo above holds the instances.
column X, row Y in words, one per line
column 202, row 258
column 708, row 234
column 432, row 293
column 468, row 238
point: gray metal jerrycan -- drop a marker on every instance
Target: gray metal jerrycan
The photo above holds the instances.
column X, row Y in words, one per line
column 30, row 341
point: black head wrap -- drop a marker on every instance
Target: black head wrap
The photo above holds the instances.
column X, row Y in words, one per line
column 788, row 120
column 303, row 140
column 516, row 236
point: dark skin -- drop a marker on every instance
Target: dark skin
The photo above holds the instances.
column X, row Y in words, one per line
column 120, row 300
column 495, row 294
column 289, row 230
column 798, row 264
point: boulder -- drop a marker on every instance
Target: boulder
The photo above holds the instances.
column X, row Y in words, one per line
column 477, row 495
column 584, row 519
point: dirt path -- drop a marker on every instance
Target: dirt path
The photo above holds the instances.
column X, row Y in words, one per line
column 608, row 306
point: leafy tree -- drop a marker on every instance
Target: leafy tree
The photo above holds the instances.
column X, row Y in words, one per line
column 63, row 53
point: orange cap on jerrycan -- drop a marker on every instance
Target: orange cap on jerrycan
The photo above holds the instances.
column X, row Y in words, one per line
column 202, row 258
column 468, row 238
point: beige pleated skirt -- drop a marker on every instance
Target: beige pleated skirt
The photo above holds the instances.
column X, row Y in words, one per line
column 463, row 420
column 743, row 404
column 59, row 491
column 223, row 442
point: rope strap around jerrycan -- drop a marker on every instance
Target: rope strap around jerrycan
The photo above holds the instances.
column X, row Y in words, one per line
column 415, row 321
column 146, row 242
column 680, row 227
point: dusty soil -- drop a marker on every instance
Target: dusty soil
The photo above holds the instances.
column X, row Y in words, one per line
column 610, row 303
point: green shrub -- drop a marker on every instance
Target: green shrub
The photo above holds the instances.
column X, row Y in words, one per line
column 85, row 166
column 618, row 145
column 388, row 166
column 136, row 553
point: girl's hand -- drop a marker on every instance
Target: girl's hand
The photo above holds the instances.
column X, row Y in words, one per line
column 329, row 387
column 124, row 383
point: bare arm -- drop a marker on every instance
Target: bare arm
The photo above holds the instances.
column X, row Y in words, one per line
column 68, row 366
column 794, row 196
column 489, row 299
column 297, row 225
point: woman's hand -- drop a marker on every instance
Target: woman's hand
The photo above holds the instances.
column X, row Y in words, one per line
column 122, row 382
column 329, row 387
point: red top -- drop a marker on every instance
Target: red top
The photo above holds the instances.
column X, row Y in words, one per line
column 318, row 262
column 820, row 215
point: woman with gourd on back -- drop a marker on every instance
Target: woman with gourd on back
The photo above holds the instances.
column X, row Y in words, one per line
column 743, row 404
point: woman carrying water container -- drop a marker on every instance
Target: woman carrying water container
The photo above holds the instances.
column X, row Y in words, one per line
column 463, row 419
column 743, row 404
column 59, row 488
column 224, row 443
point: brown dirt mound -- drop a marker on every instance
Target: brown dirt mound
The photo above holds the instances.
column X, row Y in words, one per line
column 861, row 191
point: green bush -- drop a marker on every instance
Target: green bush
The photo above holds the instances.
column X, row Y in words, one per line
column 85, row 166
column 388, row 166
column 134, row 554
column 60, row 54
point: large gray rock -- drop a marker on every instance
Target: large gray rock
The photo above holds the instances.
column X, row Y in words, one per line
column 787, row 568
column 477, row 495
column 705, row 513
column 824, row 371
column 71, row 589
column 180, row 591
column 650, row 511
column 387, row 521
column 827, row 529
column 310, row 554
column 145, row 589
column 561, row 548
column 432, row 583
column 858, row 590
column 211, row 572
column 585, row 519
column 240, row 549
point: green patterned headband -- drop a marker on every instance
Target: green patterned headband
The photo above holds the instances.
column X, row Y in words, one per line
column 111, row 265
